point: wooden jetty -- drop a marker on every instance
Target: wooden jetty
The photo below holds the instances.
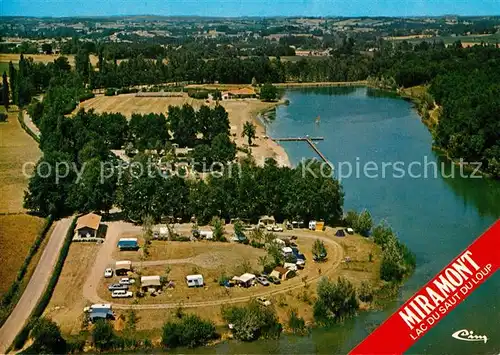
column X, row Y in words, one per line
column 310, row 141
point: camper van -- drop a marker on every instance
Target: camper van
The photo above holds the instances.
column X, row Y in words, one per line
column 194, row 280
column 312, row 225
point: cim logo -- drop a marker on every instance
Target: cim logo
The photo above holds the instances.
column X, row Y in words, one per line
column 468, row 335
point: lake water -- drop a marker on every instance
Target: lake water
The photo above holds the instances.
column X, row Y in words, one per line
column 436, row 217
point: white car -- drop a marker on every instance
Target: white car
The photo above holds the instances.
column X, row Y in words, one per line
column 126, row 281
column 300, row 263
column 263, row 301
column 277, row 229
column 269, row 228
column 121, row 294
column 108, row 272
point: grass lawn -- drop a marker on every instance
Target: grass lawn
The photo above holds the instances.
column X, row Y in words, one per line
column 67, row 302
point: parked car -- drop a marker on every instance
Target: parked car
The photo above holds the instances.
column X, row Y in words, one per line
column 114, row 287
column 300, row 263
column 126, row 281
column 121, row 294
column 274, row 280
column 108, row 272
column 277, row 229
column 264, row 301
column 263, row 281
column 269, row 228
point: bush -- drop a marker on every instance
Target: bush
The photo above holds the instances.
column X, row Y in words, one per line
column 252, row 321
column 296, row 324
column 86, row 96
column 191, row 331
column 198, row 94
column 365, row 292
column 336, row 301
column 3, row 117
column 110, row 92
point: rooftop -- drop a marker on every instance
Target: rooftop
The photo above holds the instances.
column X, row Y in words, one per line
column 90, row 220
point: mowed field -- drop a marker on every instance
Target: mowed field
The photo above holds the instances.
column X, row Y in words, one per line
column 42, row 58
column 17, row 229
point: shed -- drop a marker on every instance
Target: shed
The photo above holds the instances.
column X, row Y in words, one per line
column 128, row 244
column 340, row 233
column 247, row 279
column 194, row 280
column 150, row 281
column 87, row 225
column 122, row 267
column 320, row 225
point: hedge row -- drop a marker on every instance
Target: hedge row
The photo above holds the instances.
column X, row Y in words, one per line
column 20, row 118
column 11, row 297
column 21, row 338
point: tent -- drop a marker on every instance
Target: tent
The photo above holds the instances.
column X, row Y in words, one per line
column 150, row 281
column 340, row 233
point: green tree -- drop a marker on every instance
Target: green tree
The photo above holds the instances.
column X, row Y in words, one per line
column 365, row 292
column 336, row 301
column 252, row 321
column 364, row 223
column 319, row 250
column 351, row 219
column 382, row 233
column 217, row 228
column 191, row 331
column 13, row 82
column 47, row 338
column 268, row 92
column 103, row 335
column 296, row 323
column 47, row 48
column 5, row 91
column 249, row 130
column 222, row 149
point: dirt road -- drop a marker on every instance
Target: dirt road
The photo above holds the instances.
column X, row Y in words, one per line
column 115, row 229
column 36, row 285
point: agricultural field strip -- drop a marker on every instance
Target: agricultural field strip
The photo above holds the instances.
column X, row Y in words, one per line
column 90, row 287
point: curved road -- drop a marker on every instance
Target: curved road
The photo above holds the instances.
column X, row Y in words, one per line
column 116, row 228
column 36, row 285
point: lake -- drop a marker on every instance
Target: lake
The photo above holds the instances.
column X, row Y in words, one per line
column 437, row 217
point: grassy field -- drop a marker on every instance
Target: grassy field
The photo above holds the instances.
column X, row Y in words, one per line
column 5, row 58
column 17, row 230
column 16, row 149
column 467, row 41
column 17, row 233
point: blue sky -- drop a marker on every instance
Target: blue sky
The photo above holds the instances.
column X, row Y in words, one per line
column 249, row 7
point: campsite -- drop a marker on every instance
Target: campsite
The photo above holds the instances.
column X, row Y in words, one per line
column 161, row 278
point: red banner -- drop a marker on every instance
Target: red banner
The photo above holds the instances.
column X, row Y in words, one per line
column 437, row 298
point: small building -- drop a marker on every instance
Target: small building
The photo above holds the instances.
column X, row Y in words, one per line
column 320, row 226
column 87, row 225
column 128, row 244
column 242, row 93
column 282, row 273
column 123, row 267
column 195, row 280
column 247, row 279
column 150, row 282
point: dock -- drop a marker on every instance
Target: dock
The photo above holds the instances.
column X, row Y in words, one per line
column 310, row 141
